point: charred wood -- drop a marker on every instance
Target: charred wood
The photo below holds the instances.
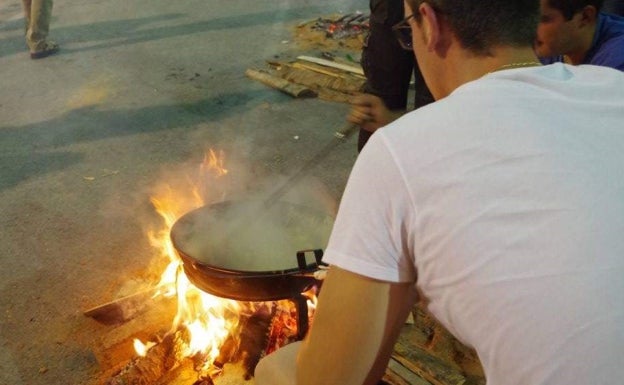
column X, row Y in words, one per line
column 293, row 89
column 158, row 360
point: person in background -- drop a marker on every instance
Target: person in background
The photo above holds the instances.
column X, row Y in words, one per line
column 615, row 7
column 387, row 66
column 38, row 14
column 498, row 205
column 575, row 32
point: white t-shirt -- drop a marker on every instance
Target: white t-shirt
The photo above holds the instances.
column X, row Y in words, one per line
column 504, row 202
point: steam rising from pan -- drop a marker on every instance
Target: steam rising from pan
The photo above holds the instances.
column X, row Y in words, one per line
column 247, row 236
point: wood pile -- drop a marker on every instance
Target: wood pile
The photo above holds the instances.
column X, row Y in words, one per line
column 312, row 77
column 427, row 354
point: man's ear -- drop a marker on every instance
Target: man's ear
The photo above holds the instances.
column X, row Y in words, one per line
column 589, row 13
column 430, row 26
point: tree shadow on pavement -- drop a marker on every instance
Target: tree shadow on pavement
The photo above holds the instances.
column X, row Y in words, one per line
column 110, row 34
column 86, row 32
column 12, row 25
column 36, row 149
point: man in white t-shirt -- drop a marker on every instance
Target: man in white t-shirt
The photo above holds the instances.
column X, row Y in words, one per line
column 501, row 205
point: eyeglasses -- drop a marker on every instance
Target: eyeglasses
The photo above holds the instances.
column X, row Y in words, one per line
column 403, row 32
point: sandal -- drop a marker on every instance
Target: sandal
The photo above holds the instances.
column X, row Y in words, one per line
column 50, row 48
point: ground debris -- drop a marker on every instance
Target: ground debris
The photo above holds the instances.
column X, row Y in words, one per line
column 105, row 173
column 345, row 26
column 333, row 32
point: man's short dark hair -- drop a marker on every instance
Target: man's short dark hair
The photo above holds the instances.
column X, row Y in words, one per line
column 481, row 25
column 569, row 7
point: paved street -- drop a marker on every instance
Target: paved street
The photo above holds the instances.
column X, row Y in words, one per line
column 138, row 93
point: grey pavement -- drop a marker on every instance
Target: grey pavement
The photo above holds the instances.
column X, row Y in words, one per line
column 138, row 93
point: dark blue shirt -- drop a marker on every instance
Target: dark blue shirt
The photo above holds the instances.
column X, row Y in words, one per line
column 607, row 48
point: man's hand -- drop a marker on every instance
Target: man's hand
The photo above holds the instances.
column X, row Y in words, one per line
column 369, row 112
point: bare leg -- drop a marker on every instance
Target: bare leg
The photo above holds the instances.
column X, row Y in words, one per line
column 39, row 13
column 26, row 4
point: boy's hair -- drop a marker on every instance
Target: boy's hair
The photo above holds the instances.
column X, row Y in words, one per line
column 481, row 25
column 569, row 7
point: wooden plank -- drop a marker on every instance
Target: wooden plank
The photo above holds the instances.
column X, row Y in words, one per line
column 296, row 90
column 429, row 367
column 126, row 308
column 336, row 73
column 317, row 68
column 329, row 63
column 318, row 81
column 397, row 374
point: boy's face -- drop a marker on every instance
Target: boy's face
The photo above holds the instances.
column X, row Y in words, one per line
column 555, row 34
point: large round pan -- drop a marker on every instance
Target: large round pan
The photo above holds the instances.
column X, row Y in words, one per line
column 247, row 251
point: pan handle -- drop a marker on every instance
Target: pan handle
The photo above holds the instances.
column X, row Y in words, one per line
column 301, row 259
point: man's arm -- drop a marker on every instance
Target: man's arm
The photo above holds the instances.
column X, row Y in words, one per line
column 356, row 324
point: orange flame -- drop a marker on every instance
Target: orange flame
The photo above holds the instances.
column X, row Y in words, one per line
column 203, row 315
column 209, row 320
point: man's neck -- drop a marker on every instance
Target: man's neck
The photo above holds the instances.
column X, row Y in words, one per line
column 510, row 58
column 585, row 40
column 468, row 67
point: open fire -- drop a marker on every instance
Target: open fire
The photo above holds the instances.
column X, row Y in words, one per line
column 218, row 341
column 208, row 330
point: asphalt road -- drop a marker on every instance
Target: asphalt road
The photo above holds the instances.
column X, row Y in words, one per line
column 138, row 93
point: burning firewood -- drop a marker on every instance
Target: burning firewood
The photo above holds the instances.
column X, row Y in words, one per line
column 251, row 342
column 158, row 360
column 244, row 347
column 204, row 381
column 283, row 329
